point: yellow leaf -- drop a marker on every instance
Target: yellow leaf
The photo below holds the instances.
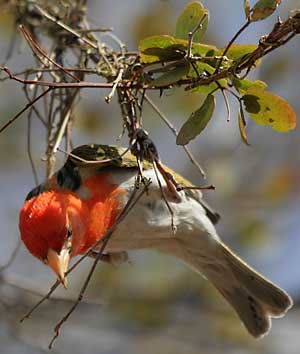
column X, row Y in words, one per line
column 265, row 108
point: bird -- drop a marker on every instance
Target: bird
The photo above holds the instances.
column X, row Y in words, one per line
column 71, row 211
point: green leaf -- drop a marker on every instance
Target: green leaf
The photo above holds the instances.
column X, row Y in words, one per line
column 237, row 51
column 189, row 19
column 173, row 75
column 196, row 122
column 242, row 85
column 166, row 48
column 242, row 126
column 268, row 109
column 203, row 68
column 160, row 48
column 263, row 9
column 247, row 8
column 203, row 50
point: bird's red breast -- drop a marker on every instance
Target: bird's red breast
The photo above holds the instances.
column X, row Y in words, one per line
column 46, row 218
column 104, row 203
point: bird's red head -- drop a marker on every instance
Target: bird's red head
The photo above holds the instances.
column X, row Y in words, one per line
column 44, row 224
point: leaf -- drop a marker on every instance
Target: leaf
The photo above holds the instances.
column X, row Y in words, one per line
column 242, row 85
column 172, row 75
column 263, row 9
column 203, row 68
column 160, row 48
column 204, row 50
column 196, row 122
column 268, row 109
column 238, row 51
column 242, row 126
column 189, row 19
column 247, row 8
column 165, row 48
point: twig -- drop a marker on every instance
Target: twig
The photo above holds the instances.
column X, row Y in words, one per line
column 12, row 256
column 173, row 227
column 192, row 33
column 196, row 188
column 115, row 85
column 33, row 108
column 36, row 47
column 66, row 27
column 47, row 70
column 12, row 43
column 96, row 245
column 242, row 29
column 29, row 153
column 173, row 185
column 104, row 56
column 127, row 208
column 28, row 105
column 81, row 84
column 64, row 123
column 119, row 42
column 94, row 162
column 97, row 29
column 61, row 131
column 226, row 104
column 174, row 131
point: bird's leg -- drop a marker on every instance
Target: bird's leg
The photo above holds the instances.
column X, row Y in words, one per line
column 180, row 187
column 114, row 258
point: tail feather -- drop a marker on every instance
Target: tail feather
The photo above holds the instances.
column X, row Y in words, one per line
column 251, row 312
column 254, row 298
column 275, row 300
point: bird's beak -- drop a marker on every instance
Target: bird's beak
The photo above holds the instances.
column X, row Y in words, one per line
column 59, row 263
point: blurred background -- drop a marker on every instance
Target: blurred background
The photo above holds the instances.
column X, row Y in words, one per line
column 154, row 304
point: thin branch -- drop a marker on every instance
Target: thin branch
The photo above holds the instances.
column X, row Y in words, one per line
column 94, row 162
column 192, row 34
column 163, row 196
column 174, row 131
column 28, row 105
column 242, row 29
column 97, row 29
column 226, row 104
column 127, row 208
column 33, row 108
column 51, row 84
column 66, row 27
column 12, row 43
column 119, row 42
column 96, row 245
column 115, row 85
column 30, row 71
column 29, row 152
column 64, row 123
column 12, row 256
column 35, row 47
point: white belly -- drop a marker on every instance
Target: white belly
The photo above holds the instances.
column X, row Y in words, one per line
column 150, row 223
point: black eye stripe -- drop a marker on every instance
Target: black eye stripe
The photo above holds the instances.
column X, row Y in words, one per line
column 35, row 191
column 68, row 176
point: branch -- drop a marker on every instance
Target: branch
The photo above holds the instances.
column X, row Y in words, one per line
column 175, row 133
column 127, row 208
column 233, row 39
